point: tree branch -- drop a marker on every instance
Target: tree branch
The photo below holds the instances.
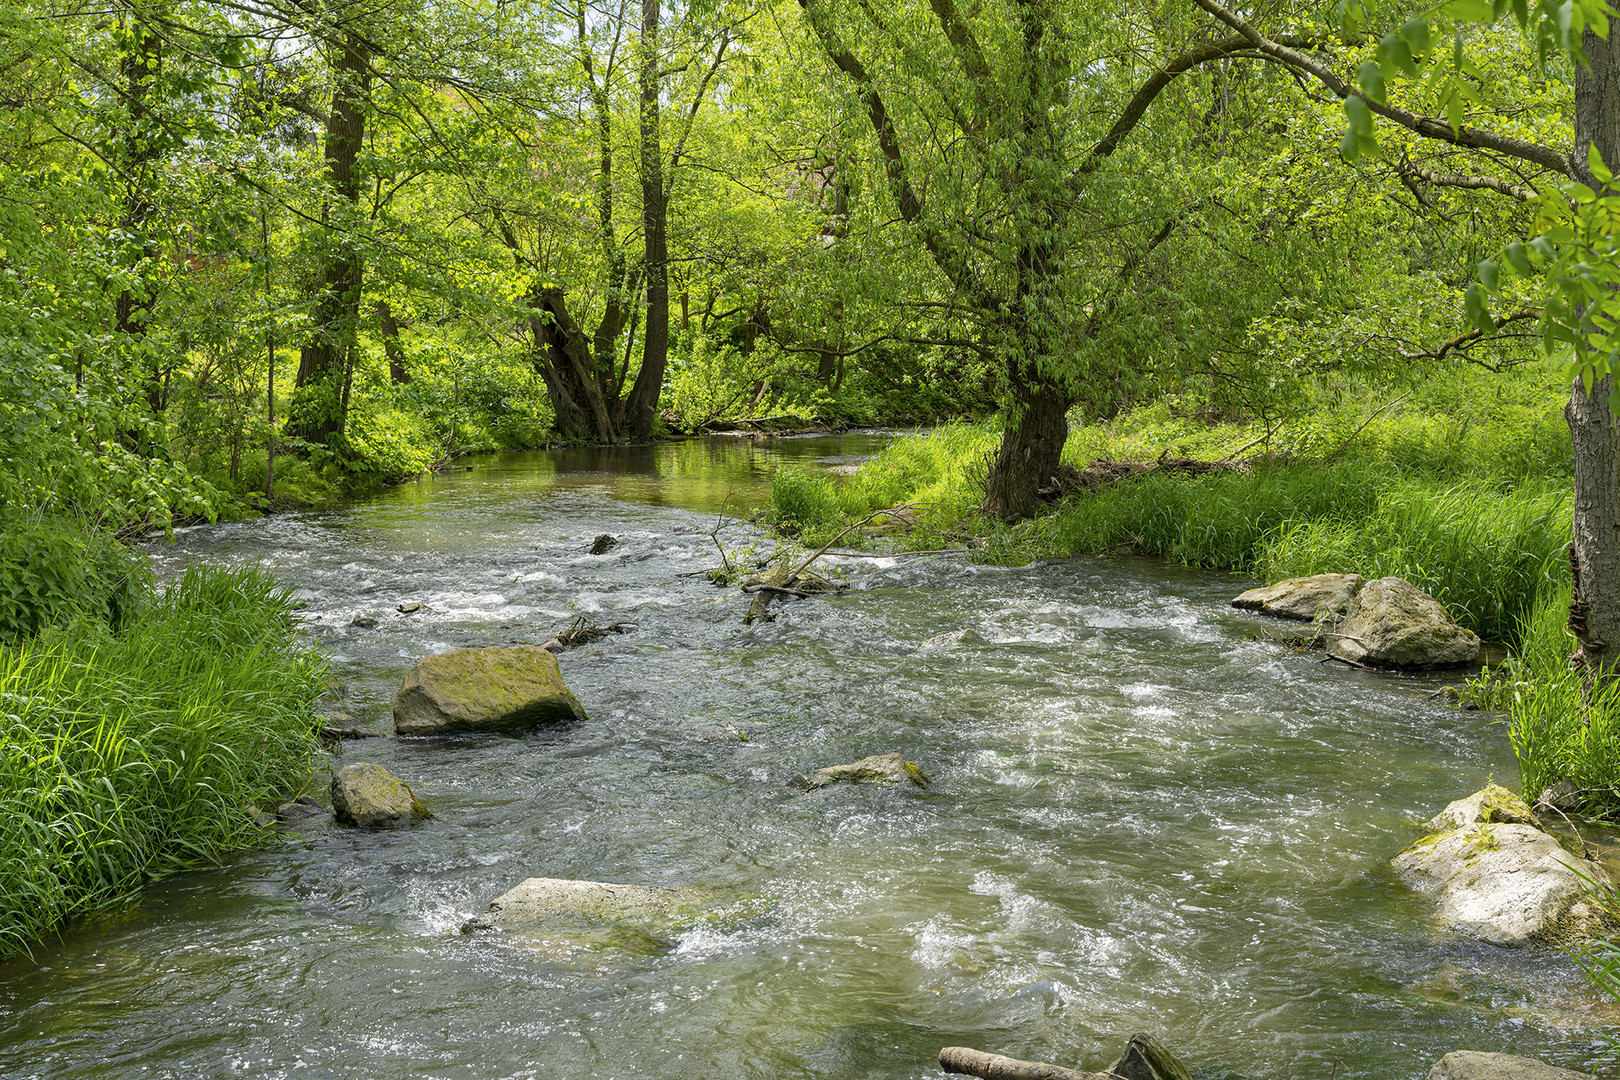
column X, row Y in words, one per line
column 1430, row 127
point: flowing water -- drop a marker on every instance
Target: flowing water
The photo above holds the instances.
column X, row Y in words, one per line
column 1141, row 820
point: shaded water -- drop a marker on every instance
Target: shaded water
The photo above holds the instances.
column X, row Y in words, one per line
column 1140, row 820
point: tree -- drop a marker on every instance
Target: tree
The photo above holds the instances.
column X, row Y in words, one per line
column 1039, row 241
column 1572, row 264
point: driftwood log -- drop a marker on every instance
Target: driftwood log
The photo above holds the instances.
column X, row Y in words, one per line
column 1145, row 1058
column 962, row 1059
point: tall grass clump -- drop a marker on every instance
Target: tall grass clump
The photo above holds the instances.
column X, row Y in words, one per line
column 804, row 504
column 138, row 753
column 1488, row 555
column 1214, row 520
column 941, row 473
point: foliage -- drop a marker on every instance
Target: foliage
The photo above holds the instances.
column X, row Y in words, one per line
column 56, row 568
column 142, row 752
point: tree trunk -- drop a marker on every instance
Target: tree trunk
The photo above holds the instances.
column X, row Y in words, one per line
column 562, row 357
column 391, row 346
column 1030, row 451
column 1594, row 616
column 318, row 408
column 641, row 408
column 132, row 309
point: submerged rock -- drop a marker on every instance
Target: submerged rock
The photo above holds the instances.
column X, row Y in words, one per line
column 1393, row 623
column 1303, row 597
column 604, row 544
column 1561, row 795
column 1493, row 802
column 1505, row 884
column 1477, row 1065
column 366, row 794
column 500, row 688
column 942, row 642
column 878, row 769
column 559, row 915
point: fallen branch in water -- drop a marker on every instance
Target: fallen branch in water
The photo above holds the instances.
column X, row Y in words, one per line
column 1145, row 1058
column 778, row 590
column 963, row 1059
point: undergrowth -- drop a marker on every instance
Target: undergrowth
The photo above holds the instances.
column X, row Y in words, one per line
column 136, row 753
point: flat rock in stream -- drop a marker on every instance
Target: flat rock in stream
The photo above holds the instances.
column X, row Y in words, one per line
column 1504, row 884
column 1305, row 598
column 559, row 915
column 1477, row 1065
column 945, row 642
column 877, row 769
column 1393, row 623
column 499, row 688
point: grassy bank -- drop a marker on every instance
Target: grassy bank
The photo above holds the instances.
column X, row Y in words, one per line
column 138, row 753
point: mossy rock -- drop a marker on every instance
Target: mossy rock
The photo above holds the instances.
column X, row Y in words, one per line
column 1492, row 803
column 559, row 916
column 368, row 795
column 501, row 689
column 877, row 769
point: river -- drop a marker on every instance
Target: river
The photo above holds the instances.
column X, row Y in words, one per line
column 1142, row 819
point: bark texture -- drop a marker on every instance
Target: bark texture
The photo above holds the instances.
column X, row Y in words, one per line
column 1594, row 616
column 641, row 408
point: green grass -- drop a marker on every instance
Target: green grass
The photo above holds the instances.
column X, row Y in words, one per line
column 133, row 755
column 1485, row 553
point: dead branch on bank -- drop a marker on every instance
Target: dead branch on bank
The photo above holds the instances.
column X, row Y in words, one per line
column 1103, row 473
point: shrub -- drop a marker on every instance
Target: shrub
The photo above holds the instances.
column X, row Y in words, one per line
column 56, row 568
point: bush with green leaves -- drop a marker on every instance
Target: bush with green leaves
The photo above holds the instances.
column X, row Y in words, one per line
column 142, row 752
column 56, row 568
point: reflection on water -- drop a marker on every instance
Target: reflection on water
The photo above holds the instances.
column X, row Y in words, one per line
column 1140, row 820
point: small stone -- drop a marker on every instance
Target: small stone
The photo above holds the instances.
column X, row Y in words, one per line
column 409, row 609
column 366, row 794
column 363, row 622
column 1477, row 1065
column 1493, row 802
column 604, row 544
column 878, row 769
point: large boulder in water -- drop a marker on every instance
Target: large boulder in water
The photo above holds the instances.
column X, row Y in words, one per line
column 368, row 795
column 1478, row 1065
column 1303, row 597
column 1504, row 884
column 507, row 688
column 1392, row 623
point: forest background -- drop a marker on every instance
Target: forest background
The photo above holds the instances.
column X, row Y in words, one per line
column 260, row 253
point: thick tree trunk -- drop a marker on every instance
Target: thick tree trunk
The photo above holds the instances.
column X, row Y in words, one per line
column 397, row 374
column 641, row 409
column 318, row 403
column 1030, row 452
column 1594, row 616
column 562, row 357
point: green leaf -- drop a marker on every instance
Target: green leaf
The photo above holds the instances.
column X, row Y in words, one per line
column 1454, row 112
column 1482, row 11
column 1514, row 255
column 1594, row 161
column 1371, row 80
column 1488, row 276
column 1478, row 313
column 1416, row 35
